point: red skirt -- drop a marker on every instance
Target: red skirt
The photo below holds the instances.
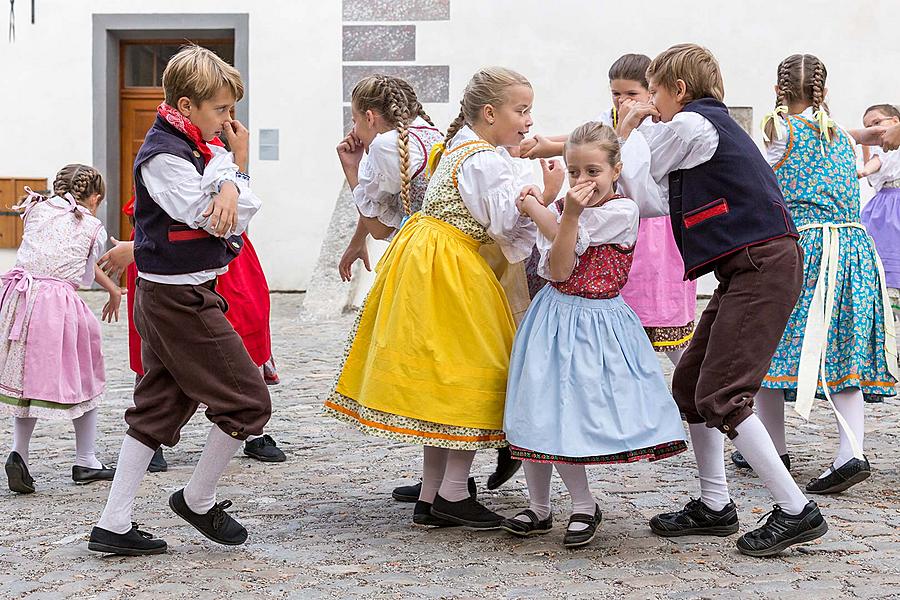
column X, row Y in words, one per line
column 246, row 291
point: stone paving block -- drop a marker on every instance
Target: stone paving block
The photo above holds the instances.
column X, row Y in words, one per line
column 396, row 10
column 379, row 42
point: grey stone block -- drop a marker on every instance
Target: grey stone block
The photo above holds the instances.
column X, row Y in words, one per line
column 396, row 10
column 431, row 82
column 379, row 42
column 744, row 117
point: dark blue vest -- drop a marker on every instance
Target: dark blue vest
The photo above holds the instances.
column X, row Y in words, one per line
column 163, row 245
column 727, row 203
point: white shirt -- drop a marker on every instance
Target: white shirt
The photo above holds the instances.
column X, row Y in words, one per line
column 890, row 168
column 777, row 148
column 174, row 184
column 615, row 222
column 651, row 153
column 376, row 193
column 490, row 183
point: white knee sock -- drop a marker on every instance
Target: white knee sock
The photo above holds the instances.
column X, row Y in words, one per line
column 537, row 475
column 130, row 468
column 22, row 430
column 851, row 405
column 755, row 444
column 455, row 486
column 583, row 502
column 675, row 355
column 709, row 451
column 200, row 492
column 770, row 409
column 434, row 464
column 85, row 436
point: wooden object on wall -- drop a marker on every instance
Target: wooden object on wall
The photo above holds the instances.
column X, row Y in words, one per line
column 12, row 191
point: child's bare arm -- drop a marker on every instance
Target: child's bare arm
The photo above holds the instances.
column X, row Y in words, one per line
column 111, row 308
column 871, row 167
column 540, row 214
column 543, row 147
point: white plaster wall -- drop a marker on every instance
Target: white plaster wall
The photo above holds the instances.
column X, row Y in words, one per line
column 564, row 47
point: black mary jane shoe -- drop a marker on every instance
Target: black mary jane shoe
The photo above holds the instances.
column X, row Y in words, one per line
column 422, row 516
column 741, row 463
column 847, row 475
column 158, row 463
column 506, row 468
column 17, row 474
column 468, row 513
column 82, row 475
column 533, row 526
column 411, row 493
column 782, row 530
column 583, row 537
column 133, row 542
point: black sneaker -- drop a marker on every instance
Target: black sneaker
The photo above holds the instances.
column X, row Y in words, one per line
column 466, row 512
column 216, row 524
column 847, row 475
column 533, row 526
column 264, row 449
column 134, row 542
column 782, row 530
column 583, row 537
column 422, row 516
column 410, row 493
column 82, row 475
column 696, row 519
column 506, row 468
column 741, row 463
column 17, row 475
column 158, row 463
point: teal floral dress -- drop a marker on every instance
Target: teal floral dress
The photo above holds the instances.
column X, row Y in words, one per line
column 819, row 183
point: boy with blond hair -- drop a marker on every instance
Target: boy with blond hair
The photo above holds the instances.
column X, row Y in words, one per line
column 193, row 201
column 728, row 217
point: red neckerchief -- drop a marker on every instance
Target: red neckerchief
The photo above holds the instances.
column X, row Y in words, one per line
column 128, row 209
column 184, row 125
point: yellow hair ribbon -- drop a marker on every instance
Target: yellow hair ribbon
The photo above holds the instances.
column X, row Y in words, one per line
column 825, row 123
column 774, row 116
column 434, row 157
column 615, row 117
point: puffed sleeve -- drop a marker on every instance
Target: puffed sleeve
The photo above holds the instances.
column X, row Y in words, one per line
column 636, row 181
column 489, row 184
column 96, row 251
column 376, row 194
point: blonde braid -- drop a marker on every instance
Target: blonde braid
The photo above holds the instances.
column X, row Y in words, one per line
column 81, row 181
column 400, row 115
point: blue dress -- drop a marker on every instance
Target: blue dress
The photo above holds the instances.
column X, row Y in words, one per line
column 819, row 183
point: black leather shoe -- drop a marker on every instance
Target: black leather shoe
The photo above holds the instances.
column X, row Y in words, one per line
column 131, row 543
column 158, row 463
column 17, row 475
column 696, row 519
column 215, row 524
column 82, row 475
column 422, row 516
column 506, row 468
column 466, row 512
column 410, row 493
column 533, row 526
column 782, row 530
column 264, row 449
column 847, row 475
column 583, row 537
column 738, row 459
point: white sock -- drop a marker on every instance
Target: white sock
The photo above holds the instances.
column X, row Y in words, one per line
column 22, row 430
column 709, row 451
column 770, row 410
column 130, row 468
column 583, row 502
column 851, row 405
column 85, row 436
column 455, row 486
column 434, row 464
column 200, row 491
column 537, row 475
column 675, row 355
column 755, row 444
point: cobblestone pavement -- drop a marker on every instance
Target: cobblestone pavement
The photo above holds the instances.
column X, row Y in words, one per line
column 323, row 525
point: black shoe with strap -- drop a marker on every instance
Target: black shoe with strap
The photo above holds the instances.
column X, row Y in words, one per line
column 782, row 530
column 741, row 463
column 582, row 537
column 17, row 475
column 411, row 493
column 467, row 512
column 82, row 475
column 696, row 519
column 506, row 468
column 264, row 449
column 133, row 542
column 215, row 524
column 523, row 528
column 847, row 475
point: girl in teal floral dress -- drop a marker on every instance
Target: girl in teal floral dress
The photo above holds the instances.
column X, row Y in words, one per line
column 838, row 327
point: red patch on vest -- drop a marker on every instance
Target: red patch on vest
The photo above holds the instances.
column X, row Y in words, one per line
column 707, row 211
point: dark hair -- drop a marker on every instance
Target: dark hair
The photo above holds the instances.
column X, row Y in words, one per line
column 886, row 109
column 632, row 67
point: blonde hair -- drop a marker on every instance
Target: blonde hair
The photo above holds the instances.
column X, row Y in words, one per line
column 693, row 64
column 801, row 78
column 81, row 181
column 395, row 100
column 198, row 73
column 487, row 86
column 600, row 135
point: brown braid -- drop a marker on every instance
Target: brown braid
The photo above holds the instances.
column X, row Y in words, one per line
column 455, row 126
column 801, row 79
column 819, row 74
column 81, row 181
column 785, row 92
column 400, row 115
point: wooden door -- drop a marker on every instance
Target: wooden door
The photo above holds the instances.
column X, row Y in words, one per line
column 137, row 114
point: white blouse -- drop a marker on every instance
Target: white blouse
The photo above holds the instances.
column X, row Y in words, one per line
column 615, row 222
column 490, row 183
column 890, row 168
column 777, row 148
column 376, row 194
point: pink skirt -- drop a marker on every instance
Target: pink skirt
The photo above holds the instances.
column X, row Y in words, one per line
column 51, row 363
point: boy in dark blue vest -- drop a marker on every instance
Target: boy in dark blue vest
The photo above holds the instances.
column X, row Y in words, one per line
column 192, row 202
column 729, row 218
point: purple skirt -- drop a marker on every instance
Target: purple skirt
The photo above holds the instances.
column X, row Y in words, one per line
column 881, row 216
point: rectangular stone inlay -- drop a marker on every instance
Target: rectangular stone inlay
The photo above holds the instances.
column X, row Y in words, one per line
column 379, row 42
column 396, row 10
column 432, row 83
